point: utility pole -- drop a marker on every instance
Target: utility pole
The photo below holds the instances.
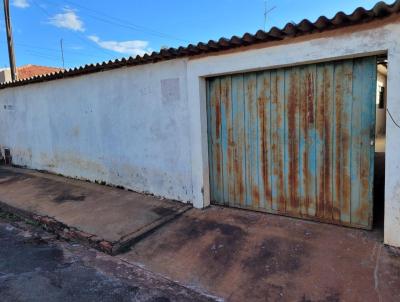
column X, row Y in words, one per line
column 10, row 40
column 62, row 52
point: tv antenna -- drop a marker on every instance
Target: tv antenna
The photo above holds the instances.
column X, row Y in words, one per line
column 62, row 52
column 266, row 12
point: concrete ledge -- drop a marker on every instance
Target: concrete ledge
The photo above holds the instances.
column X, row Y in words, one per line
column 108, row 219
column 71, row 233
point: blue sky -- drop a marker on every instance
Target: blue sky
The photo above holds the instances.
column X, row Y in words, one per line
column 98, row 30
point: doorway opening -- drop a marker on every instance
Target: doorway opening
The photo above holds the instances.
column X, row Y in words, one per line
column 380, row 143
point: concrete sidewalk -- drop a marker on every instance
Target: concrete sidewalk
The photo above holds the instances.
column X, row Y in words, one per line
column 107, row 218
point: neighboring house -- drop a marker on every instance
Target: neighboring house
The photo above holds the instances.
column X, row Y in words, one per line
column 27, row 71
column 5, row 75
column 280, row 121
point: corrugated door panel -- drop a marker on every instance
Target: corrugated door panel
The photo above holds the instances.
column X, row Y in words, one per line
column 328, row 146
column 251, row 134
column 264, row 138
column 210, row 145
column 339, row 90
column 238, row 115
column 292, row 131
column 226, row 140
column 278, row 140
column 366, row 72
column 215, row 139
column 295, row 141
column 369, row 122
column 320, row 141
column 344, row 92
column 307, row 152
column 356, row 140
column 303, row 140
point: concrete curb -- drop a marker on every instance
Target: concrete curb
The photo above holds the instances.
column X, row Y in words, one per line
column 71, row 233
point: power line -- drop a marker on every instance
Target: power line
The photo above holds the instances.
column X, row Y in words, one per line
column 53, row 50
column 51, row 56
column 109, row 19
column 37, row 47
column 95, row 46
column 39, row 55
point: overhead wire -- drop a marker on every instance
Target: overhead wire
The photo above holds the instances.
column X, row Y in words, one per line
column 42, row 56
column 53, row 50
column 107, row 18
column 77, row 35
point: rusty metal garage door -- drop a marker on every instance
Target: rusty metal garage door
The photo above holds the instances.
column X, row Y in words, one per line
column 296, row 141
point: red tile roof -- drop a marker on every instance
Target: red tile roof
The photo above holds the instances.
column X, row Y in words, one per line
column 29, row 71
column 381, row 10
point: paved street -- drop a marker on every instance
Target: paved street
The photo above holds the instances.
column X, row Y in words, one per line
column 35, row 266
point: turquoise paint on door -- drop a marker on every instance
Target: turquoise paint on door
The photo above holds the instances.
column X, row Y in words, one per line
column 295, row 141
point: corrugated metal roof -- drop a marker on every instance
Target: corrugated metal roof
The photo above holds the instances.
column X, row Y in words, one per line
column 360, row 15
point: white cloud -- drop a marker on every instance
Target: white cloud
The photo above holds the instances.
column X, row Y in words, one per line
column 76, row 47
column 20, row 3
column 133, row 48
column 68, row 19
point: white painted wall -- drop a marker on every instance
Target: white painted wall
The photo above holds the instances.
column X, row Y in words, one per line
column 127, row 127
column 378, row 40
